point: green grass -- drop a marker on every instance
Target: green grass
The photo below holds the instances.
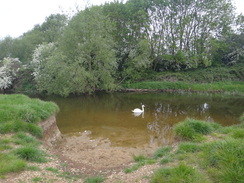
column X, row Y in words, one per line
column 181, row 173
column 19, row 116
column 51, row 169
column 194, row 130
column 186, row 147
column 21, row 138
column 10, row 163
column 162, row 152
column 30, row 153
column 96, row 179
column 218, row 160
column 23, row 108
column 140, row 161
column 224, row 160
column 178, row 86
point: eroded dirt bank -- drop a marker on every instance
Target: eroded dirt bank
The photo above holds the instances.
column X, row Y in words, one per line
column 80, row 155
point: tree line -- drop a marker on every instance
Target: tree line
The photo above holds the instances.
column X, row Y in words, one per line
column 104, row 45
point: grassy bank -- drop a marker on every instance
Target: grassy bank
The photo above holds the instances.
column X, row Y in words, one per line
column 224, row 87
column 206, row 153
column 19, row 131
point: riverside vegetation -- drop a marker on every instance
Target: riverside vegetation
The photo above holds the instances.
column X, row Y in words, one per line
column 126, row 42
column 20, row 132
column 205, row 152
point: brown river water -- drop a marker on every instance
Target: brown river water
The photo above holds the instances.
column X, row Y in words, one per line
column 108, row 117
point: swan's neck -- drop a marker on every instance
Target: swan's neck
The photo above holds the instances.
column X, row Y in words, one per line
column 142, row 108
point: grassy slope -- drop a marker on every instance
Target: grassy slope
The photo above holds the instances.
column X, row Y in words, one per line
column 206, row 153
column 19, row 116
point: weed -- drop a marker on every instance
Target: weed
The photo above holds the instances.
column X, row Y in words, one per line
column 68, row 175
column 141, row 161
column 166, row 160
column 181, row 173
column 162, row 152
column 188, row 147
column 96, row 179
column 30, row 153
column 23, row 139
column 33, row 168
column 10, row 163
column 238, row 133
column 37, row 179
column 51, row 169
column 191, row 129
column 226, row 159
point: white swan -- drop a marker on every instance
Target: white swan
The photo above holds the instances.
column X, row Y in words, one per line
column 139, row 110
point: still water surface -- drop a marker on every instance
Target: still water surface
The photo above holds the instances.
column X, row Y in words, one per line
column 109, row 116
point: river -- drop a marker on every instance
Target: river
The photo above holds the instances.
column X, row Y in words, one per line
column 109, row 116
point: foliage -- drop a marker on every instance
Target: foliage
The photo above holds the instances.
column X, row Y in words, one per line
column 127, row 42
column 84, row 62
column 8, row 70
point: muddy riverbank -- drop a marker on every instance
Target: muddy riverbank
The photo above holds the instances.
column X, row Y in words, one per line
column 88, row 155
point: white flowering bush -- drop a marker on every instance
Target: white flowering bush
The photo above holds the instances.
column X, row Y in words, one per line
column 40, row 56
column 8, row 71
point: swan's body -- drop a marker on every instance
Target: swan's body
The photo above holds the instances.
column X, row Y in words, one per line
column 137, row 110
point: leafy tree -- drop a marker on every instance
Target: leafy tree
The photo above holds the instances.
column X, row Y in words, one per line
column 83, row 61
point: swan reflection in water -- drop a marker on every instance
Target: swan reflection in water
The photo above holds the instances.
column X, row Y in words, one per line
column 137, row 114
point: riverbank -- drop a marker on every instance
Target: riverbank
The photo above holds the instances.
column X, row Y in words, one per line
column 236, row 88
column 187, row 159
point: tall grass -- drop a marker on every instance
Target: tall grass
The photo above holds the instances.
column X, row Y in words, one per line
column 224, row 160
column 23, row 108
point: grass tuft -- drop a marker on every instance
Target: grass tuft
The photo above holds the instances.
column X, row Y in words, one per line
column 10, row 163
column 186, row 147
column 30, row 153
column 194, row 130
column 96, row 179
column 141, row 161
column 181, row 173
column 162, row 152
column 225, row 159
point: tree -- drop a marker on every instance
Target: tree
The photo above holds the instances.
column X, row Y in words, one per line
column 83, row 61
column 8, row 71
